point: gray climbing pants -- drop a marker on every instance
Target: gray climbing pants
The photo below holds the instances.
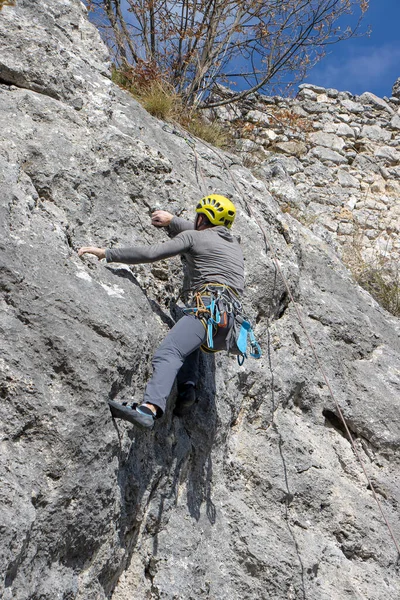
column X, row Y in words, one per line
column 178, row 356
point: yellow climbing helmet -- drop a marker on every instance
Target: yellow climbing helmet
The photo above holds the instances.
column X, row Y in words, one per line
column 218, row 209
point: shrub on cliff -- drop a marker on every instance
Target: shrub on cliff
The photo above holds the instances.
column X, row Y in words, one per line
column 383, row 283
column 379, row 275
column 161, row 101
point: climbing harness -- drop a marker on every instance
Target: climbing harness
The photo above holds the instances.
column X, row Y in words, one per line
column 269, row 247
column 217, row 306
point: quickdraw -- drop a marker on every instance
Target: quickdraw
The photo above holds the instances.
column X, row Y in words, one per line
column 246, row 331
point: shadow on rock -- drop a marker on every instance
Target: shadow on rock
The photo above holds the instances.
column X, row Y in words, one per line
column 150, row 473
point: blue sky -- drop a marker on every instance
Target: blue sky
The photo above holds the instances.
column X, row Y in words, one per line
column 369, row 63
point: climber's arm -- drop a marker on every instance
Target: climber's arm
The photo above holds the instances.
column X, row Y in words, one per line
column 177, row 225
column 141, row 254
column 148, row 254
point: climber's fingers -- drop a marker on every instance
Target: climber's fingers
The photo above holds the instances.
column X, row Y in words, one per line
column 99, row 252
column 161, row 218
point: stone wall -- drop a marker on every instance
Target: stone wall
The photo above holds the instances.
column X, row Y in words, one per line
column 331, row 159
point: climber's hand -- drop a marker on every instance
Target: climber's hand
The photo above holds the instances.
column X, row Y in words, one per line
column 99, row 252
column 161, row 218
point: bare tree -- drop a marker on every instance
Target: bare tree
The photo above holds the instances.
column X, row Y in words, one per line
column 196, row 44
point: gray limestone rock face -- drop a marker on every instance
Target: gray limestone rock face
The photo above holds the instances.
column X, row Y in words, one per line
column 344, row 130
column 327, row 140
column 244, row 145
column 257, row 493
column 275, row 173
column 347, row 180
column 43, row 58
column 296, row 149
column 320, row 174
column 396, row 89
column 351, row 106
column 327, row 156
column 315, row 107
column 369, row 98
column 395, row 122
column 375, row 133
column 314, row 88
column 258, row 117
column 332, row 93
column 389, row 155
column 306, row 93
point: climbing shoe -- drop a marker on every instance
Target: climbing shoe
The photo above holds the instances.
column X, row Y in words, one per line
column 139, row 415
column 185, row 399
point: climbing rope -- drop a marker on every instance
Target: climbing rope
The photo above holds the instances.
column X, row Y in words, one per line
column 177, row 130
column 270, row 248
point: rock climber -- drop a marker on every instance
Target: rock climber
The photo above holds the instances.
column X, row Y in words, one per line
column 216, row 280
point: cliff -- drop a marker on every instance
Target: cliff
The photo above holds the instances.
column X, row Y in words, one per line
column 257, row 493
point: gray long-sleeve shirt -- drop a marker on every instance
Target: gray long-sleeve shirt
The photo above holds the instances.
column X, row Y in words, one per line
column 213, row 255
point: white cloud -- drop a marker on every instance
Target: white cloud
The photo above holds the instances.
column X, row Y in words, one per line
column 360, row 70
